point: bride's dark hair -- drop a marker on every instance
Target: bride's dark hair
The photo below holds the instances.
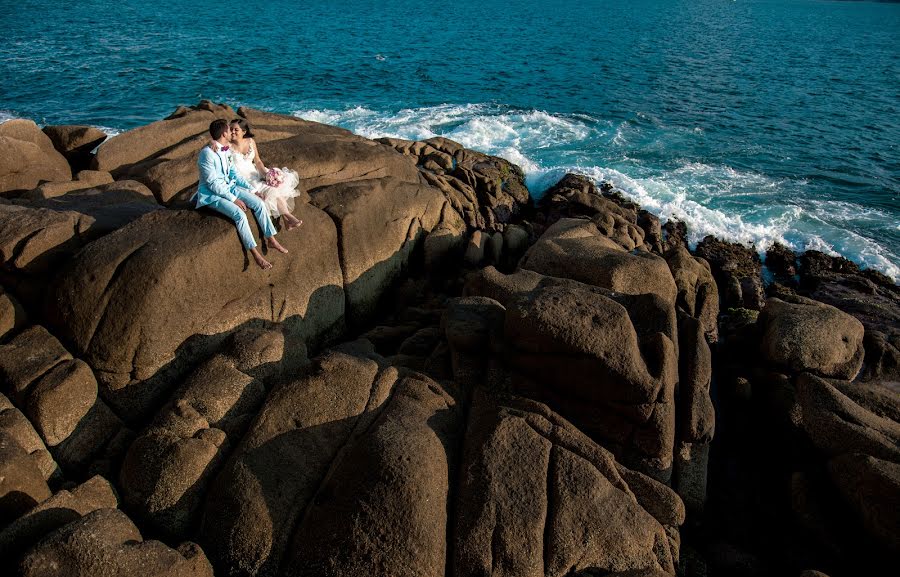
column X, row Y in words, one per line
column 245, row 126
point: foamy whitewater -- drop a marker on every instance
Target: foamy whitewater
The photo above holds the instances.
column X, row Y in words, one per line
column 710, row 199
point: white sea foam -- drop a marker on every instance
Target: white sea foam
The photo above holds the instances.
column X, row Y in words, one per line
column 482, row 127
column 4, row 116
column 738, row 205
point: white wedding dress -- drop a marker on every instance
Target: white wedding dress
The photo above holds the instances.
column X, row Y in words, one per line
column 244, row 165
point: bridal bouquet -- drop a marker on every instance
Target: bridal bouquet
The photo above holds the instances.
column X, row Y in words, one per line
column 274, row 177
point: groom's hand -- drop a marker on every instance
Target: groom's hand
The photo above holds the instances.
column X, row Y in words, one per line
column 240, row 204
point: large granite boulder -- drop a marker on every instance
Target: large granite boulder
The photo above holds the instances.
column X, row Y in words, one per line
column 28, row 158
column 130, row 300
column 837, row 425
column 164, row 154
column 33, row 241
column 397, row 475
column 576, row 249
column 22, row 484
column 485, row 191
column 75, row 142
column 616, row 217
column 869, row 296
column 106, row 543
column 59, row 395
column 12, row 315
column 536, row 497
column 167, row 470
column 379, row 222
column 872, row 487
column 605, row 360
column 270, row 480
column 698, row 294
column 184, row 127
column 801, row 334
column 51, row 514
column 38, row 236
column 107, row 207
column 16, row 425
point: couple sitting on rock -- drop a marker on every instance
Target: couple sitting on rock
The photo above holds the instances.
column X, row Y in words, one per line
column 233, row 179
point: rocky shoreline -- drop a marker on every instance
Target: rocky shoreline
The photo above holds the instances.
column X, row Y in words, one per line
column 440, row 378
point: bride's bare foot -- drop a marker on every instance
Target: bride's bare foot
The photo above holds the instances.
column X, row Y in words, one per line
column 260, row 260
column 276, row 245
column 292, row 221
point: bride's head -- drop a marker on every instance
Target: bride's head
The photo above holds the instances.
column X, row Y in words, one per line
column 240, row 128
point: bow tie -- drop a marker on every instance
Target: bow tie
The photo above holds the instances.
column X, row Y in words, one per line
column 223, row 149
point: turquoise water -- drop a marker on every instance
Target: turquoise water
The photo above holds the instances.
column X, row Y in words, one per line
column 752, row 120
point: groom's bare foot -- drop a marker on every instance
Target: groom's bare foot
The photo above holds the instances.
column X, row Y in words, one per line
column 260, row 260
column 276, row 245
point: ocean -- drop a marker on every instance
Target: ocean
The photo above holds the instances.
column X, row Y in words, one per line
column 753, row 120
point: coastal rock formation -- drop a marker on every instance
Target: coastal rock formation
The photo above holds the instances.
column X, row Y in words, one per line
column 28, row 159
column 497, row 386
column 737, row 269
column 486, row 191
column 89, row 546
column 59, row 395
column 75, row 142
column 56, row 511
column 167, row 469
column 803, row 334
column 129, row 302
column 379, row 222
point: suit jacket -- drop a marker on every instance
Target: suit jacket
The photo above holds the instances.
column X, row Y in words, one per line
column 218, row 178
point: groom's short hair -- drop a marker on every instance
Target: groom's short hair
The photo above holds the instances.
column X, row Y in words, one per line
column 217, row 128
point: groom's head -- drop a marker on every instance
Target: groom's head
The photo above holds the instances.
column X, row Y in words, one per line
column 217, row 128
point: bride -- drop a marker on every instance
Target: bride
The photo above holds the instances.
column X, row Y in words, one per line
column 279, row 199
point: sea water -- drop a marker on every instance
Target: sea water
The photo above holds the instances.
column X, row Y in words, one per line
column 753, row 120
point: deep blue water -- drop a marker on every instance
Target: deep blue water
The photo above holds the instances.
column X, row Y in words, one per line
column 756, row 120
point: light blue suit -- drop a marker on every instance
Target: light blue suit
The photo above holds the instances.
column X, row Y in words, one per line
column 220, row 185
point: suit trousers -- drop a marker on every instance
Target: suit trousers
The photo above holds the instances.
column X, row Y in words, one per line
column 232, row 211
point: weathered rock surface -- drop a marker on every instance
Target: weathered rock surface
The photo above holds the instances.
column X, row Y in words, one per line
column 191, row 125
column 872, row 487
column 130, row 300
column 12, row 315
column 83, row 179
column 28, row 158
column 14, row 423
column 837, row 425
column 605, row 360
column 105, row 207
column 59, row 395
column 737, row 269
column 867, row 295
column 539, row 498
column 486, row 191
column 803, row 334
column 698, row 294
column 167, row 470
column 51, row 514
column 22, row 484
column 379, row 222
column 576, row 249
column 397, row 474
column 75, row 142
column 276, row 471
column 105, row 542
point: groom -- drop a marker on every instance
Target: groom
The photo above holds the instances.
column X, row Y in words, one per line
column 222, row 190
